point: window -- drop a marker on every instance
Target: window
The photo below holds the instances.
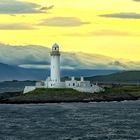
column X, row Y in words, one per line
column 73, row 84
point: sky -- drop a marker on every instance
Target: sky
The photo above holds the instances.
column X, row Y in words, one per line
column 105, row 27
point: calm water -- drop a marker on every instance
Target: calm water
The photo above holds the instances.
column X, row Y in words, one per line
column 10, row 86
column 76, row 121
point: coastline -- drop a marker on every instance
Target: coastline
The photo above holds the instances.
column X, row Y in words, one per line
column 63, row 101
column 71, row 96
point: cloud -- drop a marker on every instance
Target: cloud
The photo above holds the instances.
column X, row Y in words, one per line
column 117, row 63
column 103, row 33
column 63, row 22
column 112, row 33
column 46, row 8
column 16, row 26
column 122, row 15
column 108, row 33
column 31, row 56
column 34, row 66
column 137, row 0
column 20, row 7
column 43, row 66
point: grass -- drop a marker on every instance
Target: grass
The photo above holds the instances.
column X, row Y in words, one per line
column 66, row 95
column 131, row 90
column 50, row 93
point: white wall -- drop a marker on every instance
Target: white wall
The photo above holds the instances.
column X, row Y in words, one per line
column 28, row 89
column 74, row 83
column 70, row 84
column 52, row 84
column 55, row 68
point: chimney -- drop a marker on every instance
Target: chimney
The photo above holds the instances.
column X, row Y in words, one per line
column 82, row 78
column 72, row 78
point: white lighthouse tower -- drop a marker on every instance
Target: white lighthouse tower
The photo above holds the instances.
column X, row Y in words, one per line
column 55, row 64
column 54, row 80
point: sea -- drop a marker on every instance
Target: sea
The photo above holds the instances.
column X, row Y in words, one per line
column 71, row 121
column 14, row 86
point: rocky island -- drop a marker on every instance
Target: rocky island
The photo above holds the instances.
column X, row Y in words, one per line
column 54, row 90
column 70, row 95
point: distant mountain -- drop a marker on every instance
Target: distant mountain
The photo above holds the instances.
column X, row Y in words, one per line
column 124, row 76
column 33, row 56
column 8, row 73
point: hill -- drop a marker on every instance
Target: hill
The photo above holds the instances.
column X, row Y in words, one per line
column 124, row 76
column 10, row 72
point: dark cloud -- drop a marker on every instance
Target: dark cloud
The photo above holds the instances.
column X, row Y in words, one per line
column 122, row 15
column 137, row 0
column 117, row 63
column 104, row 33
column 46, row 8
column 20, row 7
column 16, row 26
column 62, row 21
column 112, row 33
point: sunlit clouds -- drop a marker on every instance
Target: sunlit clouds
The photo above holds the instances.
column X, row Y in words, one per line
column 109, row 28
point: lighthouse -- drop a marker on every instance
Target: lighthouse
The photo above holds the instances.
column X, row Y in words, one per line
column 53, row 81
column 55, row 64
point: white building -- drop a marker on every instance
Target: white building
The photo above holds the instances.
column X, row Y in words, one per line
column 54, row 81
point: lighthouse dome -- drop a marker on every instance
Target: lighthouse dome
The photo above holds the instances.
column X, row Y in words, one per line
column 55, row 50
column 55, row 47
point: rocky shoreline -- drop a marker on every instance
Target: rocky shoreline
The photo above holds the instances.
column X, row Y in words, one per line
column 63, row 101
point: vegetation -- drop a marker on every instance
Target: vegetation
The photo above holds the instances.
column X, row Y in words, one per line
column 124, row 76
column 69, row 95
column 130, row 90
column 48, row 95
column 7, row 95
